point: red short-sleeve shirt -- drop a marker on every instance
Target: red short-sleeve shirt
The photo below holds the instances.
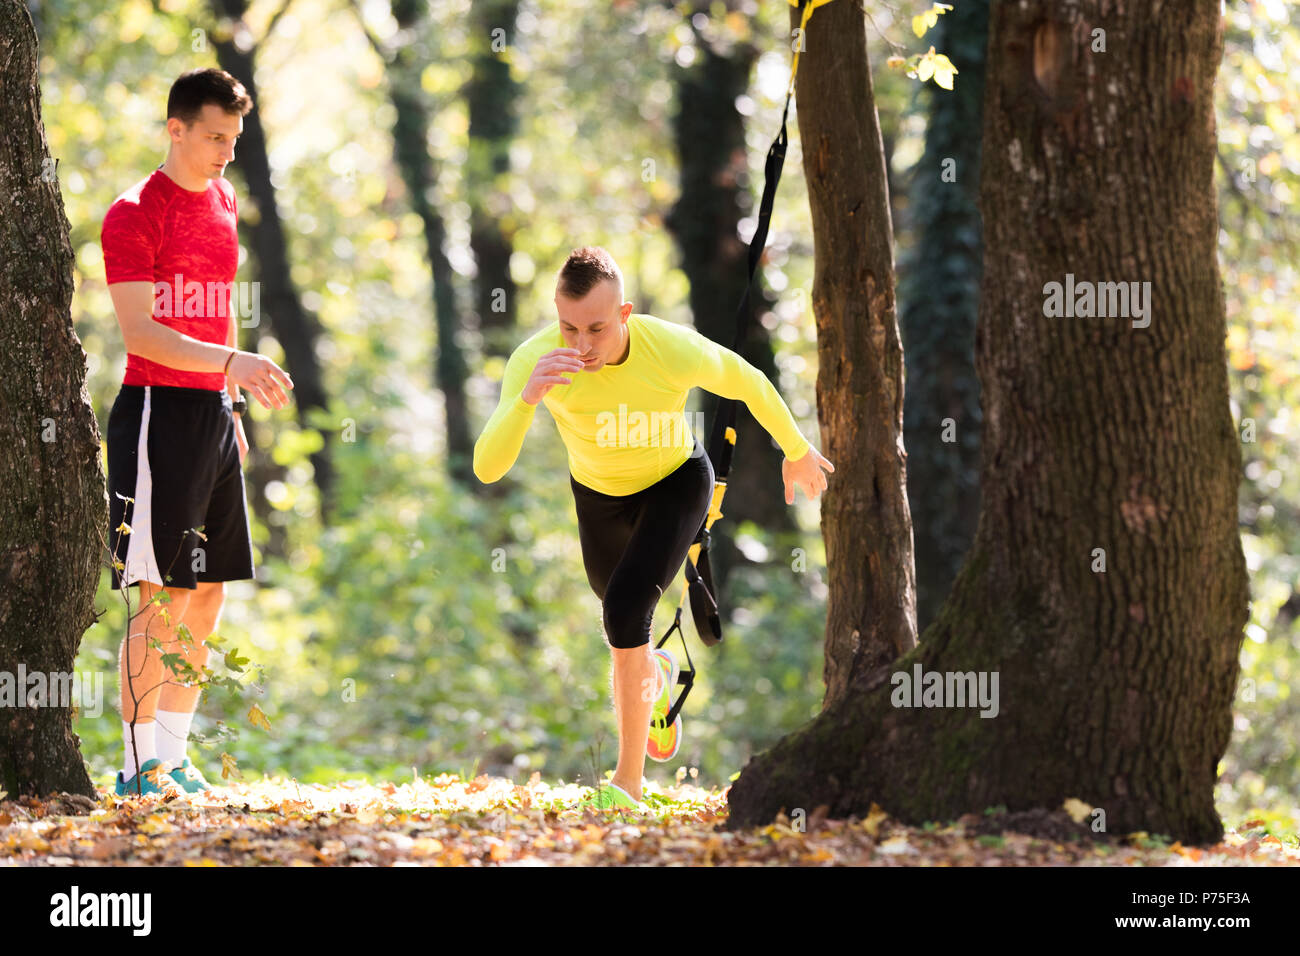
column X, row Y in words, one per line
column 186, row 244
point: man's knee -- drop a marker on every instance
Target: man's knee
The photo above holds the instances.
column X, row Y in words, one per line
column 209, row 596
column 627, row 622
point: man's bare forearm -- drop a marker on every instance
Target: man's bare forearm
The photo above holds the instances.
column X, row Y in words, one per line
column 164, row 345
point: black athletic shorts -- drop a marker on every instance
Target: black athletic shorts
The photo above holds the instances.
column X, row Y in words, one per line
column 634, row 545
column 173, row 451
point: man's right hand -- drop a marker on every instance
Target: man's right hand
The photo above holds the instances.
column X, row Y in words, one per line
column 263, row 379
column 550, row 372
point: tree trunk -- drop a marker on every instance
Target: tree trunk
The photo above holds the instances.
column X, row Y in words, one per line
column 938, row 292
column 714, row 161
column 411, row 152
column 295, row 329
column 53, row 510
column 491, row 96
column 865, row 521
column 1104, row 437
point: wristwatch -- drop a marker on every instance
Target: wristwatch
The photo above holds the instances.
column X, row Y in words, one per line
column 239, row 408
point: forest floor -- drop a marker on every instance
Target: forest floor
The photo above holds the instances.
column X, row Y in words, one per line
column 491, row 821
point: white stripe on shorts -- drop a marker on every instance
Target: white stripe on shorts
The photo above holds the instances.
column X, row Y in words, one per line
column 141, row 565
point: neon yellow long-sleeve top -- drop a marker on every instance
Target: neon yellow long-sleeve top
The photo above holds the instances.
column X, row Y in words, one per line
column 625, row 426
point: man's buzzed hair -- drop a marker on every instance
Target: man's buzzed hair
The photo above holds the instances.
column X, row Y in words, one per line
column 195, row 89
column 584, row 268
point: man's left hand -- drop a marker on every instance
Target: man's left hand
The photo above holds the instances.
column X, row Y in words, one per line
column 806, row 473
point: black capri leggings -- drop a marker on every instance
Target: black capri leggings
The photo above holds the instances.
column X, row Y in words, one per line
column 634, row 545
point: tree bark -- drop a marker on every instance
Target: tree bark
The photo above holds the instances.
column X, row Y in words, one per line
column 864, row 511
column 54, row 507
column 1115, row 686
column 938, row 291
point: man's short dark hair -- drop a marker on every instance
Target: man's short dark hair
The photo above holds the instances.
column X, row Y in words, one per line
column 583, row 269
column 195, row 89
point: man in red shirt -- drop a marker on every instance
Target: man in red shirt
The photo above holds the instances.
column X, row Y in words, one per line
column 175, row 442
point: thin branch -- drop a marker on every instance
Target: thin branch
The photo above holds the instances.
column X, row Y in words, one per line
column 275, row 18
column 897, row 47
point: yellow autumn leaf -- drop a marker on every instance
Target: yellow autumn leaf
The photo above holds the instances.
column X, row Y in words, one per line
column 925, row 69
column 944, row 71
column 155, row 825
column 875, row 817
column 1077, row 809
column 229, row 767
column 258, row 719
column 923, row 21
column 124, row 528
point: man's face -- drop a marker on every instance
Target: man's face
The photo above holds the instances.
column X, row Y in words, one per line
column 595, row 325
column 205, row 147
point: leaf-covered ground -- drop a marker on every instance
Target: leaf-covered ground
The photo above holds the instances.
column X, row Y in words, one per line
column 491, row 821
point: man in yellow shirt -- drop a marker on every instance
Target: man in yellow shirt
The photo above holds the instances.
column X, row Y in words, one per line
column 641, row 481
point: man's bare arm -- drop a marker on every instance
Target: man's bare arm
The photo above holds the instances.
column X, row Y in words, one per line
column 133, row 302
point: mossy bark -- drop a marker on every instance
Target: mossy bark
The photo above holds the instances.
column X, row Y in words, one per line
column 1115, row 686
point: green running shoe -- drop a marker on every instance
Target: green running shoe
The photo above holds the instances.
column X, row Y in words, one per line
column 610, row 796
column 154, row 779
column 189, row 779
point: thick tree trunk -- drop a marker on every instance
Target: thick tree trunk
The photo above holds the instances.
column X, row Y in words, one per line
column 491, row 96
column 938, row 292
column 1103, row 437
column 714, row 160
column 53, row 509
column 295, row 329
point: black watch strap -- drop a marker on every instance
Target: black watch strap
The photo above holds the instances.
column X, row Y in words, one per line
column 240, row 407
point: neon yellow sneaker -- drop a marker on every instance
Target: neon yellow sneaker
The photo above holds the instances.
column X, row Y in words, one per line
column 611, row 796
column 664, row 740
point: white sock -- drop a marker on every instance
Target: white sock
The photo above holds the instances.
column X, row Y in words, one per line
column 172, row 736
column 145, row 747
